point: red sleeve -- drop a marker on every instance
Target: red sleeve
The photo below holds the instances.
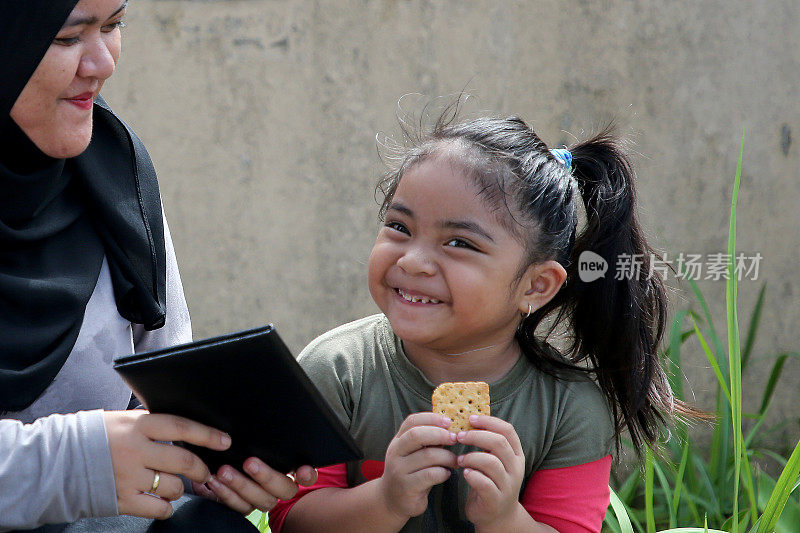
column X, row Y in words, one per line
column 329, row 476
column 573, row 499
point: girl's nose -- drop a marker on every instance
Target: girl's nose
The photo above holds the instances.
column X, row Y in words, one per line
column 97, row 61
column 416, row 262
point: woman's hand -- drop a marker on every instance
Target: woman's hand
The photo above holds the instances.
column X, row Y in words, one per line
column 260, row 490
column 136, row 457
column 494, row 474
column 415, row 462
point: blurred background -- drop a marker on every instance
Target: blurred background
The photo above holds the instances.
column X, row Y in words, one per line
column 261, row 118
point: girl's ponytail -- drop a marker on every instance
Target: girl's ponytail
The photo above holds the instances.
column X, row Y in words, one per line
column 619, row 318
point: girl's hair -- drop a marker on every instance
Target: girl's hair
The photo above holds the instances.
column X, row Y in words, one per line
column 617, row 322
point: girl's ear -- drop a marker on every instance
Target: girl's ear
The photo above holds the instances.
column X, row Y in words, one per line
column 539, row 284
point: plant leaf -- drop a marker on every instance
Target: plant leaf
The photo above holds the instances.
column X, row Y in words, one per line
column 779, row 496
column 676, row 339
column 755, row 320
column 787, row 523
column 662, row 480
column 769, row 390
column 676, row 495
column 691, row 530
column 774, row 376
column 621, row 514
column 734, row 348
column 713, row 361
column 648, row 490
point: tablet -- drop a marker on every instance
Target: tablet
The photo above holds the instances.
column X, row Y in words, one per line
column 249, row 385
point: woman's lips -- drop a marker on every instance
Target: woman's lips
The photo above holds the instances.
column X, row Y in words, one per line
column 83, row 101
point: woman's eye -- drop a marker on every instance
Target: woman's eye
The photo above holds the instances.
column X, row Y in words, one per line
column 113, row 26
column 66, row 41
column 460, row 243
column 397, row 226
column 108, row 28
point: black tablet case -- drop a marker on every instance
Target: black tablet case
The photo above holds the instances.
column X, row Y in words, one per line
column 249, row 385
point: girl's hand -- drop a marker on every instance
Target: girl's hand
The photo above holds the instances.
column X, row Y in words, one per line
column 415, row 462
column 136, row 457
column 494, row 474
column 260, row 490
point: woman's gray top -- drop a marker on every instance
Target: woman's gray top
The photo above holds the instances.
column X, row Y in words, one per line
column 55, row 463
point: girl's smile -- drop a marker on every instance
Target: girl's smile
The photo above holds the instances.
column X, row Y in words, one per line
column 415, row 298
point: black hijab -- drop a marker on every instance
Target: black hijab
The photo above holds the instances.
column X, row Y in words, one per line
column 59, row 218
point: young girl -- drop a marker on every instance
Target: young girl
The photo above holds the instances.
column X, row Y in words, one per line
column 479, row 244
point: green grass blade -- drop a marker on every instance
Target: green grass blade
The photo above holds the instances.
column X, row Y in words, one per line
column 748, row 441
column 690, row 495
column 648, row 491
column 676, row 339
column 748, row 482
column 766, row 399
column 713, row 362
column 637, row 524
column 627, row 490
column 774, row 376
column 744, row 520
column 676, row 495
column 720, row 441
column 714, row 505
column 691, row 530
column 610, row 522
column 685, row 476
column 779, row 496
column 711, row 330
column 790, row 517
column 734, row 348
column 662, row 481
column 778, row 458
column 752, row 330
column 620, row 513
column 735, row 359
column 720, row 451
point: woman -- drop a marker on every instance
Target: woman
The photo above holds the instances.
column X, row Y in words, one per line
column 87, row 273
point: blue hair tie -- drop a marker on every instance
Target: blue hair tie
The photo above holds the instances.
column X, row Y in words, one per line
column 564, row 156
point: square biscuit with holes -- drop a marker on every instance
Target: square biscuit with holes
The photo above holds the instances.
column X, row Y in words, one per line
column 459, row 400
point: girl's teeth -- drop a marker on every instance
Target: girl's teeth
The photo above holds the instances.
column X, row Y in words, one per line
column 417, row 299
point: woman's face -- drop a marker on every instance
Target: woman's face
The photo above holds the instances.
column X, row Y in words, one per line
column 55, row 107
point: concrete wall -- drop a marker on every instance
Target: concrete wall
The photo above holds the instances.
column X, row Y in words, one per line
column 261, row 118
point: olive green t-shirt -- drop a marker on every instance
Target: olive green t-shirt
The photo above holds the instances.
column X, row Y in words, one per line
column 363, row 373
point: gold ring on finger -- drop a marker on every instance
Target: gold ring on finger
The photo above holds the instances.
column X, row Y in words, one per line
column 156, row 480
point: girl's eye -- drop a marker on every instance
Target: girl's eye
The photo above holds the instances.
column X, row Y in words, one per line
column 397, row 226
column 460, row 243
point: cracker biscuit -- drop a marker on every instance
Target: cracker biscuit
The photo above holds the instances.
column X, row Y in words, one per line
column 460, row 400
